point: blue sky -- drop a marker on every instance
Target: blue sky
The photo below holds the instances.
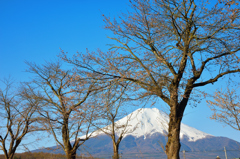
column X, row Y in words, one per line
column 36, row 30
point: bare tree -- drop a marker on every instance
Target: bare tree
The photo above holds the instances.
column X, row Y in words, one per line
column 226, row 107
column 65, row 107
column 168, row 48
column 18, row 118
column 113, row 100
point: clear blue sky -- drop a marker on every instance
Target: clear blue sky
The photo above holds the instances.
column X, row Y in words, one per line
column 34, row 30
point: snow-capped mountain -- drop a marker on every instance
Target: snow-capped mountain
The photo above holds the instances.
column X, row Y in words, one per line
column 147, row 121
column 146, row 136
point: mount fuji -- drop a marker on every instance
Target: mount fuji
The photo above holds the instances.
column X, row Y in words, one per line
column 146, row 136
column 145, row 122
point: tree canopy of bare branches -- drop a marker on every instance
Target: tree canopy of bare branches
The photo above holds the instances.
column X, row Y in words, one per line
column 226, row 107
column 168, row 48
column 64, row 106
column 18, row 118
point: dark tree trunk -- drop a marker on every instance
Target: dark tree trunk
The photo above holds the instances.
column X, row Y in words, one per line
column 173, row 144
column 115, row 151
column 10, row 156
column 176, row 114
column 71, row 155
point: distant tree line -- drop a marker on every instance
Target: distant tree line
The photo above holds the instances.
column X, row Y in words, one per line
column 163, row 49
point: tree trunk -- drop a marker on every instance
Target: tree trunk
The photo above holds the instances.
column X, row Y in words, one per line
column 115, row 151
column 173, row 144
column 71, row 155
column 10, row 156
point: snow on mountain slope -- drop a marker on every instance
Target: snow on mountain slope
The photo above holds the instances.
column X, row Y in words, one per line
column 147, row 121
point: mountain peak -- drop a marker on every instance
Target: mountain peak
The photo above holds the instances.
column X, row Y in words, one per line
column 147, row 121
